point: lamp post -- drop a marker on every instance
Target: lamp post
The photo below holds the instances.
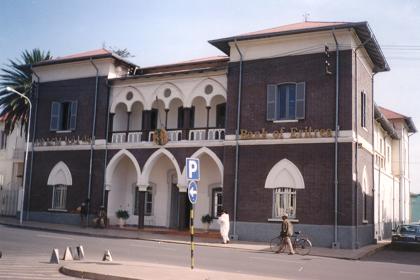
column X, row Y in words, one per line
column 27, row 148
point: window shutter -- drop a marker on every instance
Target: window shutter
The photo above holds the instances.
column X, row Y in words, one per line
column 55, row 115
column 271, row 102
column 300, row 100
column 73, row 115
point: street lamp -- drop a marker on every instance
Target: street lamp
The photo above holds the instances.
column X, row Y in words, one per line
column 27, row 148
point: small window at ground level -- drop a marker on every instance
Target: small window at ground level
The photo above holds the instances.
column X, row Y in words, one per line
column 59, row 197
column 284, row 202
column 217, row 202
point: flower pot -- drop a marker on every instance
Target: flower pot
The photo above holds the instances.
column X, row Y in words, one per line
column 206, row 227
column 121, row 222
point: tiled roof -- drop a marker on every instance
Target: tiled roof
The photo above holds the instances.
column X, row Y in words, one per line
column 390, row 115
column 294, row 26
column 192, row 61
column 362, row 30
column 85, row 54
column 95, row 54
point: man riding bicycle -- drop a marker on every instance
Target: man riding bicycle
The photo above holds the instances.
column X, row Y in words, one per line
column 286, row 233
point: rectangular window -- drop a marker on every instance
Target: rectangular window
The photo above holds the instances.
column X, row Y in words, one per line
column 284, row 202
column 59, row 197
column 363, row 109
column 286, row 102
column 63, row 115
column 3, row 140
column 217, row 202
column 148, row 201
column 365, row 217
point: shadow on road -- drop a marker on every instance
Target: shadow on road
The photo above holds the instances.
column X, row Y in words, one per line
column 395, row 255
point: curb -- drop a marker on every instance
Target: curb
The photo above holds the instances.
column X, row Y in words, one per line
column 371, row 252
column 91, row 275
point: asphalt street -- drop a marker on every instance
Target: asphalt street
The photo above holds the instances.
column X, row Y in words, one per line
column 34, row 249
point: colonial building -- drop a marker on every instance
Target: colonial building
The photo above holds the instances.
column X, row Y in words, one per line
column 284, row 123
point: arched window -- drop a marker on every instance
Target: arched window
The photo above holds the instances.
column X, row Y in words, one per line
column 284, row 179
column 59, row 178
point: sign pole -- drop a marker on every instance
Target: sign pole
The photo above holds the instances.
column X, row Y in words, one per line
column 192, row 234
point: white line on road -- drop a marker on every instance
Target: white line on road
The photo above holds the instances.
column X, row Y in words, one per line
column 54, row 236
column 410, row 272
column 276, row 260
column 151, row 247
column 301, row 268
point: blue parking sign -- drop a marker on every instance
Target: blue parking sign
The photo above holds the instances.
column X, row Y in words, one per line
column 193, row 192
column 193, row 169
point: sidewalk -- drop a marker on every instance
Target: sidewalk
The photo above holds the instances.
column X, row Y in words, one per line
column 148, row 271
column 173, row 237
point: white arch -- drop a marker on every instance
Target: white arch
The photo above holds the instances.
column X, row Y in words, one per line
column 60, row 175
column 198, row 90
column 148, row 166
column 175, row 93
column 210, row 153
column 114, row 162
column 120, row 97
column 284, row 174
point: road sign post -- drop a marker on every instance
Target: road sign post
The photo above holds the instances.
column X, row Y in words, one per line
column 193, row 175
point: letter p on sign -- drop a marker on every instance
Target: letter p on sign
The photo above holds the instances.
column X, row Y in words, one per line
column 193, row 169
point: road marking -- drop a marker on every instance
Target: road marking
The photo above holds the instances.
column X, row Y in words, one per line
column 54, row 236
column 410, row 272
column 301, row 268
column 276, row 260
column 151, row 247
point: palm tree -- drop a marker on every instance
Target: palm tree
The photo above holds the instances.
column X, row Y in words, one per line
column 17, row 74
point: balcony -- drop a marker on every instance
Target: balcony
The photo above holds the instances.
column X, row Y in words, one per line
column 174, row 135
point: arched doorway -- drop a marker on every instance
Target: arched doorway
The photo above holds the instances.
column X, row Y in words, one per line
column 122, row 176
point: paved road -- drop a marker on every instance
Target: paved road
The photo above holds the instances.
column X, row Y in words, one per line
column 22, row 242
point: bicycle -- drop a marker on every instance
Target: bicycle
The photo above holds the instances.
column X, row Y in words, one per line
column 302, row 245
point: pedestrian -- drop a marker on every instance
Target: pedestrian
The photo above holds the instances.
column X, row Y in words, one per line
column 224, row 226
column 286, row 233
column 83, row 212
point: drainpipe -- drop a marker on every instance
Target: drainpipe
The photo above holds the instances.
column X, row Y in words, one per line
column 235, row 199
column 408, row 171
column 32, row 144
column 337, row 128
column 106, row 142
column 92, row 139
column 401, row 205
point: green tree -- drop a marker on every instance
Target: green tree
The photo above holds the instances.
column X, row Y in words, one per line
column 17, row 75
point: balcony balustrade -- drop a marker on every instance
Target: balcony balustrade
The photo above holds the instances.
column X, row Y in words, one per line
column 174, row 135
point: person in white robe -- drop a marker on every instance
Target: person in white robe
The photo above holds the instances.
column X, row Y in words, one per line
column 224, row 226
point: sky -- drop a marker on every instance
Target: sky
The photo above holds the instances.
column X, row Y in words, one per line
column 160, row 32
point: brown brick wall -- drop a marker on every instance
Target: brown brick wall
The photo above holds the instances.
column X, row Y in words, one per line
column 315, row 203
column 320, row 91
column 82, row 90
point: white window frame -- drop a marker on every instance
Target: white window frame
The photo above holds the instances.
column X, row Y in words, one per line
column 62, row 191
column 287, row 197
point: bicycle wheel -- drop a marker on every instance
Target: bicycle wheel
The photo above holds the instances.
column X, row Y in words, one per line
column 275, row 243
column 303, row 247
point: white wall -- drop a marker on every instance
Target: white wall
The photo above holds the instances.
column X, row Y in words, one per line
column 11, row 157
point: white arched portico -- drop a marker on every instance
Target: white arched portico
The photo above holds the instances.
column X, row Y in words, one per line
column 200, row 90
column 121, row 179
column 152, row 160
column 60, row 175
column 128, row 96
column 210, row 190
column 211, row 154
column 114, row 162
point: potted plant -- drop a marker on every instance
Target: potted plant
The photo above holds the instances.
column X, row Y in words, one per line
column 206, row 220
column 122, row 216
